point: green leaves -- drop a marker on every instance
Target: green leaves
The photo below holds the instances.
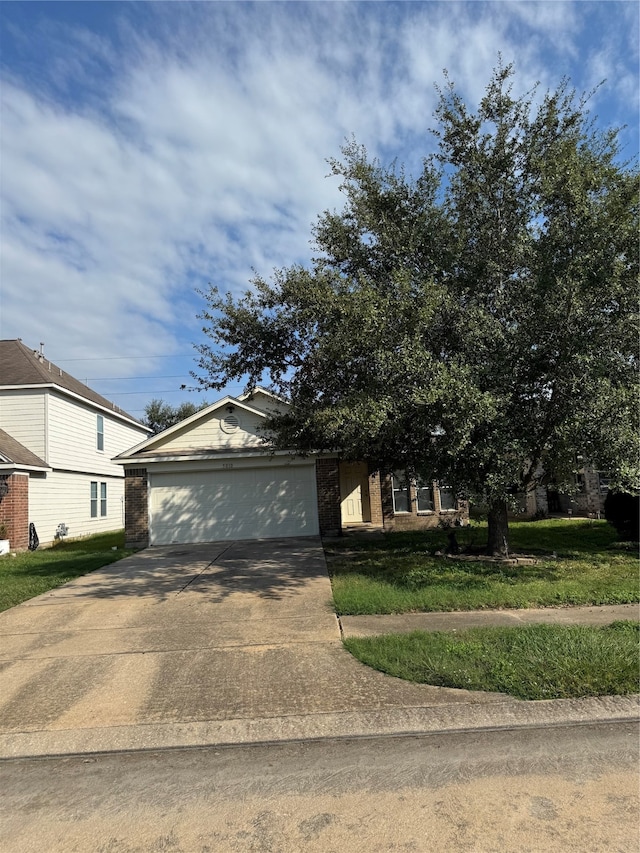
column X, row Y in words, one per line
column 478, row 321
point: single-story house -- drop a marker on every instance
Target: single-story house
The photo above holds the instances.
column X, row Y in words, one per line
column 57, row 440
column 210, row 478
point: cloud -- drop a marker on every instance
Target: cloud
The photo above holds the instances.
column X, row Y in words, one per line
column 176, row 144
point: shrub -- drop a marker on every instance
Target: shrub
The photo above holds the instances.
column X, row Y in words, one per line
column 622, row 512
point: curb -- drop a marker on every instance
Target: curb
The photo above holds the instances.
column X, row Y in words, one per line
column 512, row 714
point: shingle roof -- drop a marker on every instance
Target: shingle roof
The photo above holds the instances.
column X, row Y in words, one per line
column 20, row 366
column 11, row 451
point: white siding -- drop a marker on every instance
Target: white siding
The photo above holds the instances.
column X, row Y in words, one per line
column 212, row 433
column 23, row 416
column 266, row 403
column 64, row 498
column 72, row 438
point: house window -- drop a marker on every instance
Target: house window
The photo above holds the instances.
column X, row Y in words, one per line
column 424, row 496
column 447, row 498
column 401, row 498
column 94, row 499
column 100, row 432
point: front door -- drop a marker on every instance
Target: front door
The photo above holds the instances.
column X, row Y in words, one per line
column 354, row 493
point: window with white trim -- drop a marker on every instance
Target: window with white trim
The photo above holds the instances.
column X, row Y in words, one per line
column 401, row 496
column 424, row 496
column 100, row 432
column 447, row 498
column 101, row 503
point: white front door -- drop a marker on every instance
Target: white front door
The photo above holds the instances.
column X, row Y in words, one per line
column 354, row 492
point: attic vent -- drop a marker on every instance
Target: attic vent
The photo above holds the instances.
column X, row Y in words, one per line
column 229, row 424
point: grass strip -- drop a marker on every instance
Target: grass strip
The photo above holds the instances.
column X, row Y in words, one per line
column 31, row 573
column 579, row 563
column 531, row 662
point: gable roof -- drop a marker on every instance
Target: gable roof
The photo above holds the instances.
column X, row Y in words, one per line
column 16, row 455
column 150, row 443
column 21, row 367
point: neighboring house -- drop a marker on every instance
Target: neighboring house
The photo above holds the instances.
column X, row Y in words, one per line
column 591, row 489
column 210, row 478
column 57, row 441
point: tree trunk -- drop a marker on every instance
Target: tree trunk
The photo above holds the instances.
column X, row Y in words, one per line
column 498, row 534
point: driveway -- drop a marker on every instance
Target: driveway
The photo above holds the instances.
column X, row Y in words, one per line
column 222, row 642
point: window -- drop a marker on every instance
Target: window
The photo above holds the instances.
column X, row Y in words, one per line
column 424, row 496
column 447, row 498
column 401, row 498
column 100, row 432
column 94, row 499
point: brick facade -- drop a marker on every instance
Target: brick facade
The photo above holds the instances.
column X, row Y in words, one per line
column 136, row 508
column 14, row 509
column 375, row 498
column 328, row 483
column 415, row 520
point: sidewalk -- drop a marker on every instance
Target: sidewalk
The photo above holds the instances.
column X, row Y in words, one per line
column 231, row 643
column 404, row 623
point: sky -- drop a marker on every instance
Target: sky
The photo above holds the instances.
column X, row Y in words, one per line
column 148, row 150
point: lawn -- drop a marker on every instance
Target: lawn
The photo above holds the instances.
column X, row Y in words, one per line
column 31, row 573
column 578, row 562
column 532, row 662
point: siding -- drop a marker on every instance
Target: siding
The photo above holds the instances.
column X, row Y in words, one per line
column 61, row 498
column 209, row 433
column 22, row 415
column 72, row 438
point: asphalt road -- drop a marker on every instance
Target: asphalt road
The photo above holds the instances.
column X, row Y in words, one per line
column 564, row 788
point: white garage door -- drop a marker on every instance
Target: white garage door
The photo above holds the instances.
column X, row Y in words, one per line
column 245, row 503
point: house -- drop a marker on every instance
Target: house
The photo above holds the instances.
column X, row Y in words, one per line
column 57, row 441
column 545, row 499
column 210, row 478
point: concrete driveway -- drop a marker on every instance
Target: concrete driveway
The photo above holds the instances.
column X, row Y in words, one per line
column 232, row 642
column 223, row 642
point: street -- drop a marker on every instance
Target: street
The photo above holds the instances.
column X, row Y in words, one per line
column 564, row 788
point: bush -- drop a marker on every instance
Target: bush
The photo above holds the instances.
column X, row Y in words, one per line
column 622, row 511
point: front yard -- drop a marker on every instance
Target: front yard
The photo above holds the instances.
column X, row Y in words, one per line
column 577, row 562
column 31, row 573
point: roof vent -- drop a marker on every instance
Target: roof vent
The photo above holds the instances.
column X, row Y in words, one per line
column 230, row 424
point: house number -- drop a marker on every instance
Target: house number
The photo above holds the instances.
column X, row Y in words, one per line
column 227, row 465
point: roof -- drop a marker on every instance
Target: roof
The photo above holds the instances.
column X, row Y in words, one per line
column 23, row 367
column 14, row 454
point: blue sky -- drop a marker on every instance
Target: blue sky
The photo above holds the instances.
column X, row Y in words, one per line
column 147, row 149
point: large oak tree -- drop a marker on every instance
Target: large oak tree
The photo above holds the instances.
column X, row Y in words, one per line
column 476, row 323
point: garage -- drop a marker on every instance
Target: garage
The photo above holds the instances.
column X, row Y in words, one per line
column 232, row 503
column 212, row 477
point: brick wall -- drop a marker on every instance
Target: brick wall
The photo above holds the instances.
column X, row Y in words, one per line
column 375, row 498
column 414, row 520
column 14, row 509
column 136, row 508
column 328, row 483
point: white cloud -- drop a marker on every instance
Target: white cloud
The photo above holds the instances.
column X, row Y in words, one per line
column 191, row 146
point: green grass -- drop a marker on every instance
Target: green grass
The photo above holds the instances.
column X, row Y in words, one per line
column 533, row 662
column 31, row 573
column 398, row 573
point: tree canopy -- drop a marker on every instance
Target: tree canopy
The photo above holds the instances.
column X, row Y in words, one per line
column 159, row 415
column 476, row 323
